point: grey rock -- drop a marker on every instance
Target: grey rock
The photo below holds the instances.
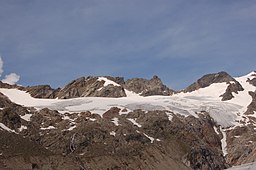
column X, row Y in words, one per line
column 251, row 108
column 209, row 79
column 150, row 87
column 232, row 88
column 90, row 86
column 42, row 91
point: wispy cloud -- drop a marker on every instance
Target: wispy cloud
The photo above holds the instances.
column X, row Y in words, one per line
column 11, row 78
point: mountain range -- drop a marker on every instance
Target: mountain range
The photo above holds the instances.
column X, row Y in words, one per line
column 111, row 123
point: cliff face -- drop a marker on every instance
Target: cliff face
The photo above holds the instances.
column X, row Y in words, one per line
column 150, row 87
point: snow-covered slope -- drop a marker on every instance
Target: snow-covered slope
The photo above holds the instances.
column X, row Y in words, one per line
column 204, row 99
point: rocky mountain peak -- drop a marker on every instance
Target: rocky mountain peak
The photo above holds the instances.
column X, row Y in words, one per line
column 145, row 87
column 107, row 86
column 209, row 79
column 220, row 77
column 94, row 87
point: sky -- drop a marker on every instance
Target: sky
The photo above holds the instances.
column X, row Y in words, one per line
column 56, row 41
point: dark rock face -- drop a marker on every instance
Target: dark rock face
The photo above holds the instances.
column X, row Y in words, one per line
column 90, row 86
column 205, row 147
column 252, row 106
column 7, row 86
column 232, row 87
column 10, row 118
column 150, row 87
column 253, row 80
column 241, row 145
column 4, row 101
column 42, row 91
column 209, row 79
column 110, row 91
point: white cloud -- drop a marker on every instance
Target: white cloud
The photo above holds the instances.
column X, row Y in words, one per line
column 1, row 66
column 11, row 79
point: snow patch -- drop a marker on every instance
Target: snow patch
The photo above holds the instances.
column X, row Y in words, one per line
column 151, row 138
column 115, row 121
column 216, row 130
column 6, row 128
column 48, row 128
column 113, row 133
column 224, row 142
column 243, row 98
column 107, row 81
column 131, row 93
column 134, row 122
column 22, row 127
column 26, row 117
column 170, row 116
column 71, row 128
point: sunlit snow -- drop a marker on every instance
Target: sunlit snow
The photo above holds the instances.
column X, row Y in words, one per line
column 107, row 81
column 206, row 99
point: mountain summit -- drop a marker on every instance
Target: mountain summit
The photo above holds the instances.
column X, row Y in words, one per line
column 111, row 123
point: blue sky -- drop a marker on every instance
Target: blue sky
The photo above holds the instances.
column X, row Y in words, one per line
column 56, row 41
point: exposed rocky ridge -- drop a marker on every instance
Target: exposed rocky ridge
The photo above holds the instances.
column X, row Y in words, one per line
column 252, row 106
column 232, row 88
column 42, row 91
column 253, row 80
column 209, row 79
column 8, row 86
column 221, row 77
column 81, row 87
column 150, row 87
column 92, row 87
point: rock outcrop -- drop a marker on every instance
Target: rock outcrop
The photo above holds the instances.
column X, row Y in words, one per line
column 233, row 87
column 209, row 79
column 97, row 87
column 42, row 91
column 251, row 108
column 91, row 86
column 221, row 77
column 241, row 145
column 253, row 80
column 150, row 87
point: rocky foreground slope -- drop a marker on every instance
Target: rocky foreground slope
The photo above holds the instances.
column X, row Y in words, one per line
column 110, row 123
